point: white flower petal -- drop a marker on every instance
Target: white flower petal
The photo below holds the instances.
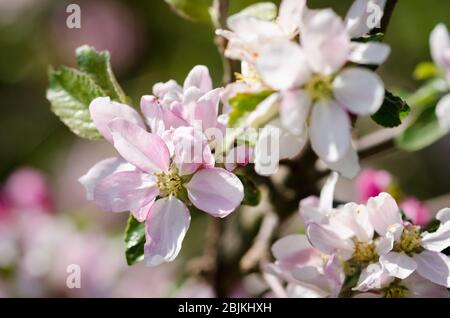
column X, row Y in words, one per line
column 330, row 131
column 327, row 241
column 398, row 265
column 359, row 90
column 294, row 110
column 443, row 112
column 325, row 40
column 371, row 53
column 384, row 213
column 440, row 44
column 434, row 266
column 290, row 14
column 348, row 166
column 439, row 240
column 370, row 278
column 363, row 16
column 289, row 245
column 282, row 65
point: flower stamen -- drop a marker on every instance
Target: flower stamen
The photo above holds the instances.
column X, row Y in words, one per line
column 169, row 183
column 320, row 87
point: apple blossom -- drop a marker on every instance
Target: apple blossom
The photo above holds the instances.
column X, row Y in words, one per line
column 249, row 33
column 440, row 51
column 195, row 104
column 308, row 272
column 413, row 286
column 407, row 248
column 28, row 189
column 155, row 178
column 316, row 92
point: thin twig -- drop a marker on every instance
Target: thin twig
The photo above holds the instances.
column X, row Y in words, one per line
column 259, row 250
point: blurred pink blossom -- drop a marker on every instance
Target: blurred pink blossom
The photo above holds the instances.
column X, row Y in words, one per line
column 416, row 210
column 372, row 182
column 27, row 189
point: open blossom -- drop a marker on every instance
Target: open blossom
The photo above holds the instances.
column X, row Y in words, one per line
column 158, row 174
column 308, row 272
column 440, row 51
column 414, row 286
column 316, row 93
column 375, row 234
column 248, row 33
column 408, row 248
column 374, row 238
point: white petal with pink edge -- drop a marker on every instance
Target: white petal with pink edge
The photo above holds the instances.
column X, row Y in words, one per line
column 215, row 191
column 165, row 228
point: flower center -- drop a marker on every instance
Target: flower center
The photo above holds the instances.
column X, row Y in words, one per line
column 409, row 241
column 395, row 290
column 320, row 87
column 365, row 253
column 169, row 183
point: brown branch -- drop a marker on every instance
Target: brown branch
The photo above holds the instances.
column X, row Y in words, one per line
column 388, row 11
column 220, row 12
column 377, row 142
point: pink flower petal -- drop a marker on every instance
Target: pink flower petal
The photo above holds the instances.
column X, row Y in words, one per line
column 145, row 150
column 383, row 213
column 102, row 170
column 103, row 110
column 125, row 191
column 215, row 191
column 159, row 118
column 199, row 77
column 165, row 228
column 191, row 150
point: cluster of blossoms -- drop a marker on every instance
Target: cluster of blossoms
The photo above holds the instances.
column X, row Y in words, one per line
column 440, row 51
column 159, row 174
column 315, row 68
column 362, row 251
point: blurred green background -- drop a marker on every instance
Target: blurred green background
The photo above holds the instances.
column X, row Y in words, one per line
column 149, row 43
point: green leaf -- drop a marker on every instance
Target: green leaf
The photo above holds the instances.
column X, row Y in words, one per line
column 429, row 93
column 244, row 103
column 98, row 66
column 252, row 194
column 70, row 93
column 134, row 240
column 423, row 131
column 261, row 10
column 391, row 113
column 425, row 70
column 194, row 10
